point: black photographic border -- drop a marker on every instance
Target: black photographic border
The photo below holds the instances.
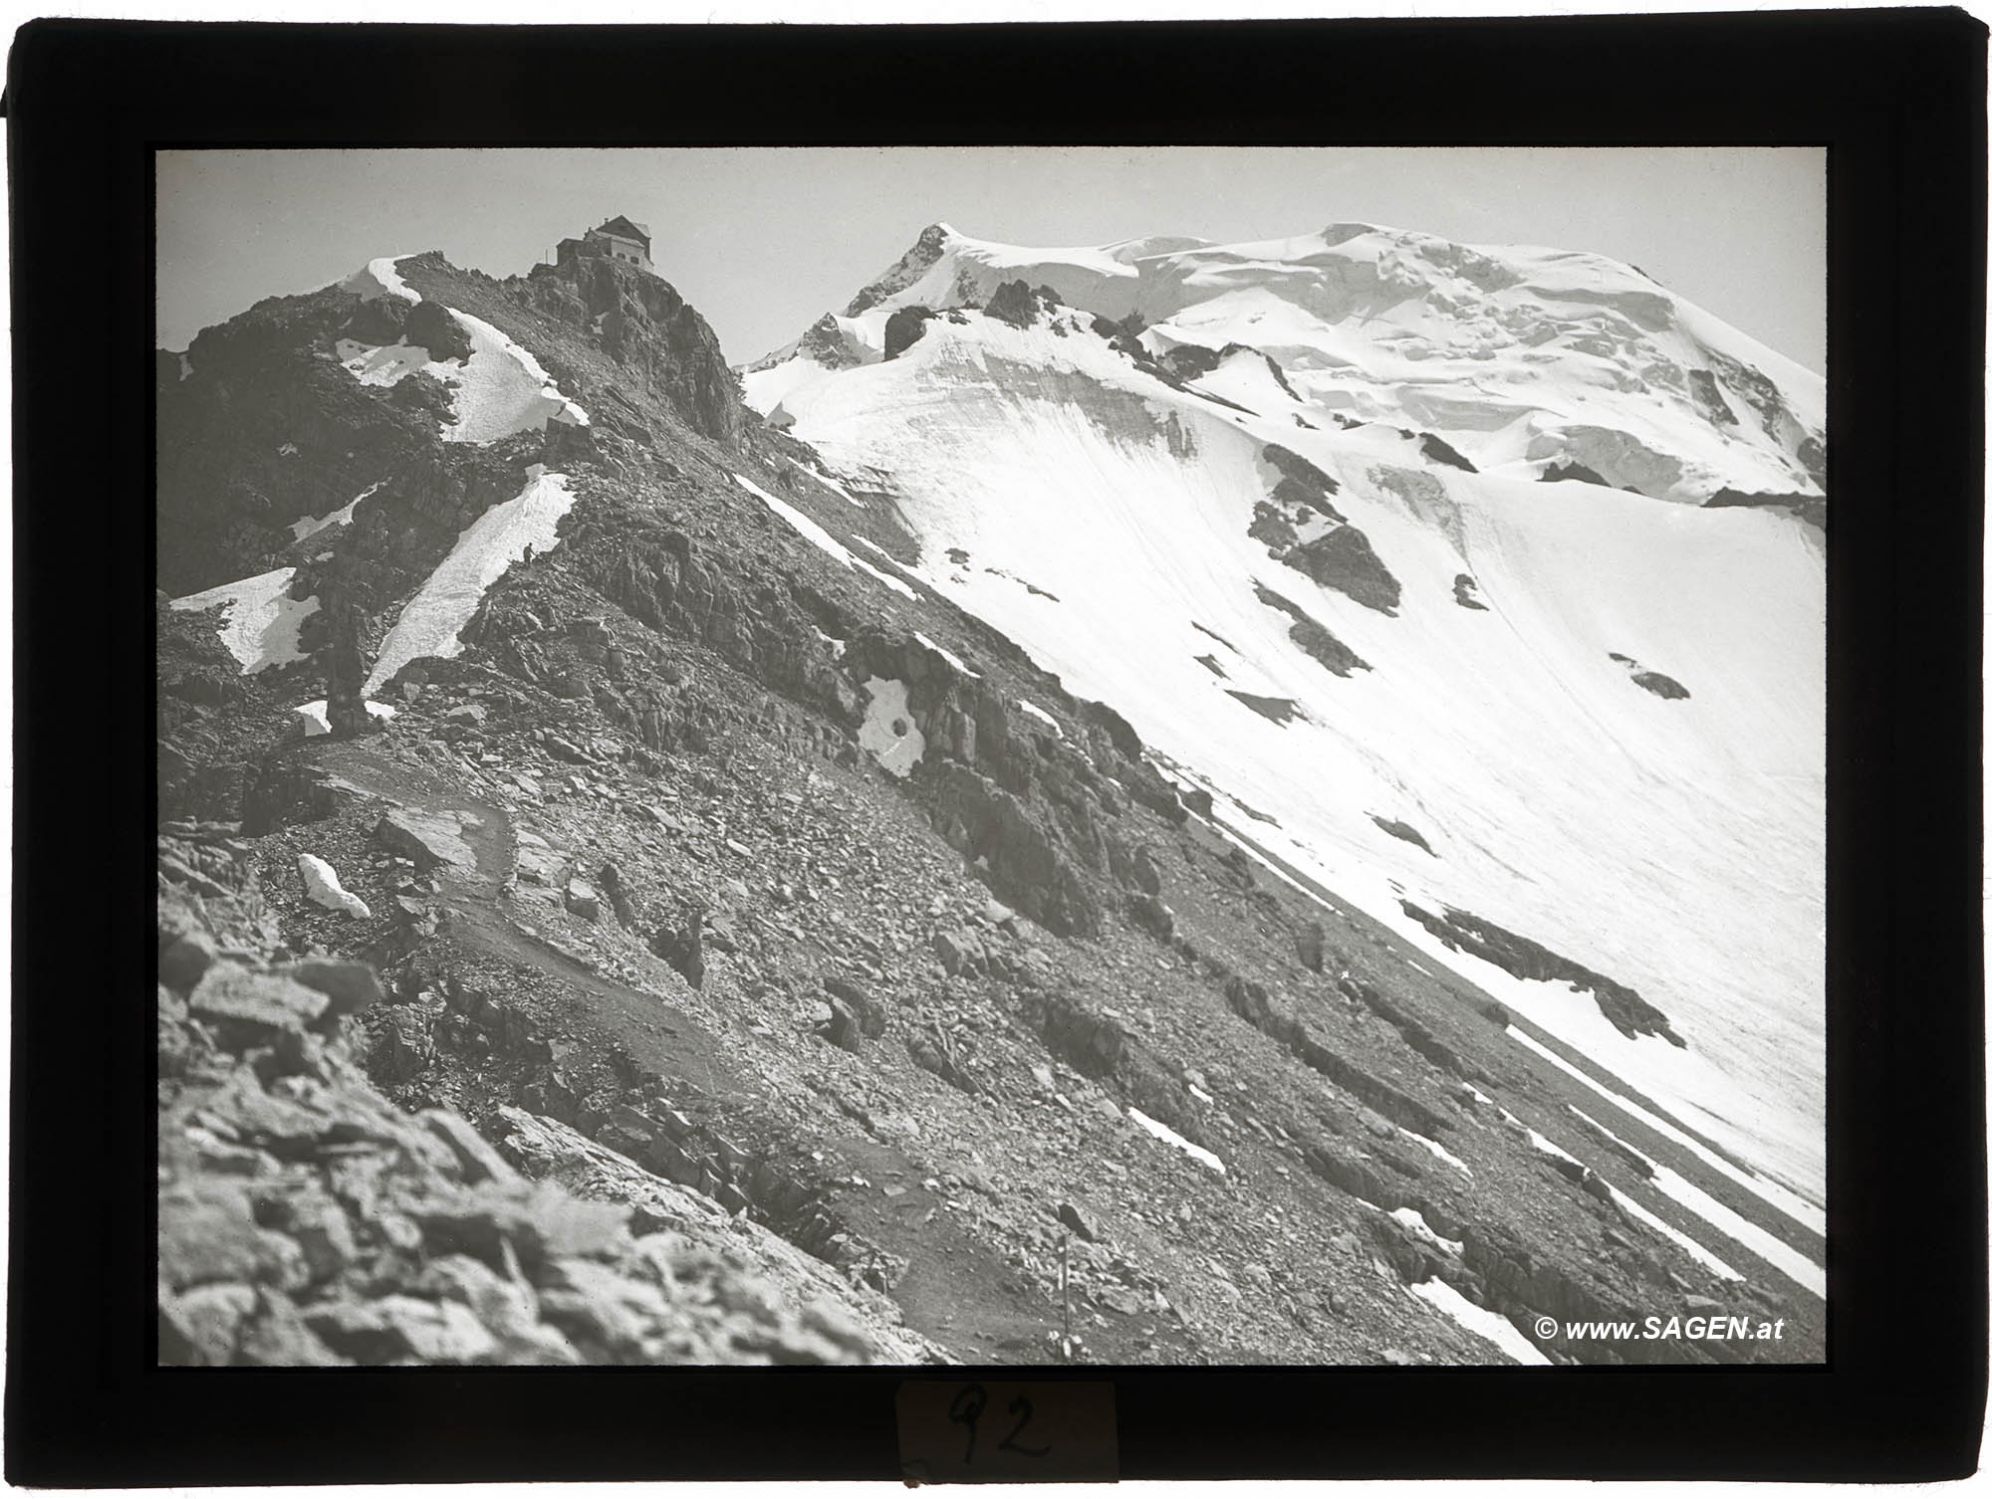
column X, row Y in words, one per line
column 1897, row 96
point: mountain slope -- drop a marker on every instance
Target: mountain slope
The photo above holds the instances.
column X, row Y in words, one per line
column 677, row 803
column 1601, row 714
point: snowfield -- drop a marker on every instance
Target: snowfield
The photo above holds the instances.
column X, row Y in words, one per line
column 260, row 620
column 1676, row 845
column 431, row 620
column 503, row 390
column 500, row 389
column 1521, row 357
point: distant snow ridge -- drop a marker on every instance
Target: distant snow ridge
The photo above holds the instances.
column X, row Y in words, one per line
column 1528, row 360
column 261, row 621
column 431, row 621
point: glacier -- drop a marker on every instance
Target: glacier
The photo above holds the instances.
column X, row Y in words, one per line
column 1525, row 441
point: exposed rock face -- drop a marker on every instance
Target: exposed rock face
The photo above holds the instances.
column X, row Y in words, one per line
column 903, row 329
column 1559, row 471
column 1301, row 483
column 909, row 268
column 227, row 489
column 430, row 325
column 1341, row 557
column 1312, row 636
column 1402, row 830
column 1708, row 398
column 1344, row 560
column 1527, row 959
column 1439, row 450
column 1016, row 304
column 649, row 330
column 990, row 824
column 1810, row 508
column 1660, row 685
column 1279, row 710
column 1191, row 361
column 1271, row 527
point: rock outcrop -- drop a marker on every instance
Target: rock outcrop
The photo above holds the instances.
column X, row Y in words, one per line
column 305, row 1220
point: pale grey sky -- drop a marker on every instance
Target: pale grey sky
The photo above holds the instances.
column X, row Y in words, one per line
column 764, row 241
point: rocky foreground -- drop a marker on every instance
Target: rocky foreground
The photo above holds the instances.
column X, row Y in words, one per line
column 305, row 1219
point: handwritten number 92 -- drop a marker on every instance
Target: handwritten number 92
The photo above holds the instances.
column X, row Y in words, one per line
column 967, row 1408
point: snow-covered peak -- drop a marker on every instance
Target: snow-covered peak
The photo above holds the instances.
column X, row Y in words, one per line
column 946, row 268
column 1529, row 361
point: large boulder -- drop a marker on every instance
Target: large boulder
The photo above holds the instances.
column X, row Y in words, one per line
column 254, row 1008
column 431, row 839
column 322, row 887
column 435, row 328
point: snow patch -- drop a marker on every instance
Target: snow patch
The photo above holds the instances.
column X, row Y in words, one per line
column 1661, row 1226
column 389, row 364
column 260, row 622
column 1476, row 1319
column 1190, row 1148
column 1036, row 712
column 1440, row 1151
column 502, row 389
column 316, row 723
column 1789, row 1203
column 819, row 538
column 431, row 620
column 827, row 482
column 1725, row 1219
column 948, row 656
column 322, row 887
column 1414, row 1220
column 307, row 526
column 379, row 278
column 891, row 561
column 888, row 733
